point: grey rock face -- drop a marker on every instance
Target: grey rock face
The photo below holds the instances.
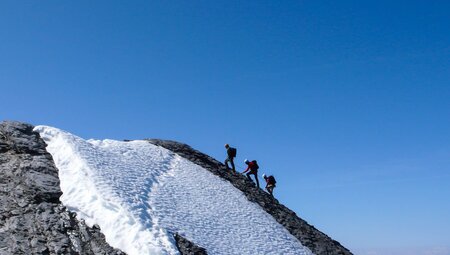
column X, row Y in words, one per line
column 187, row 247
column 308, row 235
column 32, row 219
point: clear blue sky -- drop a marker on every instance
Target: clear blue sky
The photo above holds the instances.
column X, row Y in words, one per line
column 347, row 103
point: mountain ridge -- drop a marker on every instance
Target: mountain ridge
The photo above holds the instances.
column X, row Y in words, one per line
column 74, row 237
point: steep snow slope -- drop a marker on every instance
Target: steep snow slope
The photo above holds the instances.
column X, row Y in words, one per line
column 141, row 194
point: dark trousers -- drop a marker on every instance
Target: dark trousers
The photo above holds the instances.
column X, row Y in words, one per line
column 256, row 177
column 270, row 189
column 230, row 159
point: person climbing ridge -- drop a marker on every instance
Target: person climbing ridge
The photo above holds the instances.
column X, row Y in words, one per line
column 231, row 154
column 252, row 167
column 270, row 183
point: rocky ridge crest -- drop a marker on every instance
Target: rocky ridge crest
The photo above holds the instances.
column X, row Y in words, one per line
column 309, row 236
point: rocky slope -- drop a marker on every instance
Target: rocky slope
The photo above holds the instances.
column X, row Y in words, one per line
column 309, row 236
column 32, row 219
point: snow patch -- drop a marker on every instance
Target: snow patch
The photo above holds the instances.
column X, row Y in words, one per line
column 141, row 194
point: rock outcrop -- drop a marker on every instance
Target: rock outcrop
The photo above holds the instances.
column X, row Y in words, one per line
column 309, row 236
column 187, row 247
column 32, row 219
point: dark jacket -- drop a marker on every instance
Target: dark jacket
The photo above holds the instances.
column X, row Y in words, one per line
column 270, row 181
column 231, row 152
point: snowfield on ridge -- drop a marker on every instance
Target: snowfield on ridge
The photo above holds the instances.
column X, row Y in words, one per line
column 141, row 194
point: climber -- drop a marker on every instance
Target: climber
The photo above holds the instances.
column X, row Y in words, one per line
column 231, row 154
column 270, row 183
column 253, row 169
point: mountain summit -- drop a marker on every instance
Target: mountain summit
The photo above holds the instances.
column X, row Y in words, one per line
column 136, row 197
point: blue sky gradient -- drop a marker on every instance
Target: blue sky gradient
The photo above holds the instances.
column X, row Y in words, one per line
column 345, row 102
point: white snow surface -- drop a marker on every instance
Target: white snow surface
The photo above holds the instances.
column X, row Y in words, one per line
column 141, row 194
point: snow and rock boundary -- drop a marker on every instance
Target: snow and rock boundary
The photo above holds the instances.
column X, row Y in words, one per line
column 318, row 242
column 32, row 218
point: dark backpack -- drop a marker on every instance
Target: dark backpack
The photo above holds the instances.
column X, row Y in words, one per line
column 272, row 180
column 255, row 166
column 232, row 152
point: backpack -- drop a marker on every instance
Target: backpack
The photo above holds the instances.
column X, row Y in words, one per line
column 272, row 180
column 233, row 152
column 255, row 166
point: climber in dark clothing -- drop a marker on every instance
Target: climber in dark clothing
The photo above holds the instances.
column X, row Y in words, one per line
column 231, row 154
column 270, row 183
column 252, row 167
